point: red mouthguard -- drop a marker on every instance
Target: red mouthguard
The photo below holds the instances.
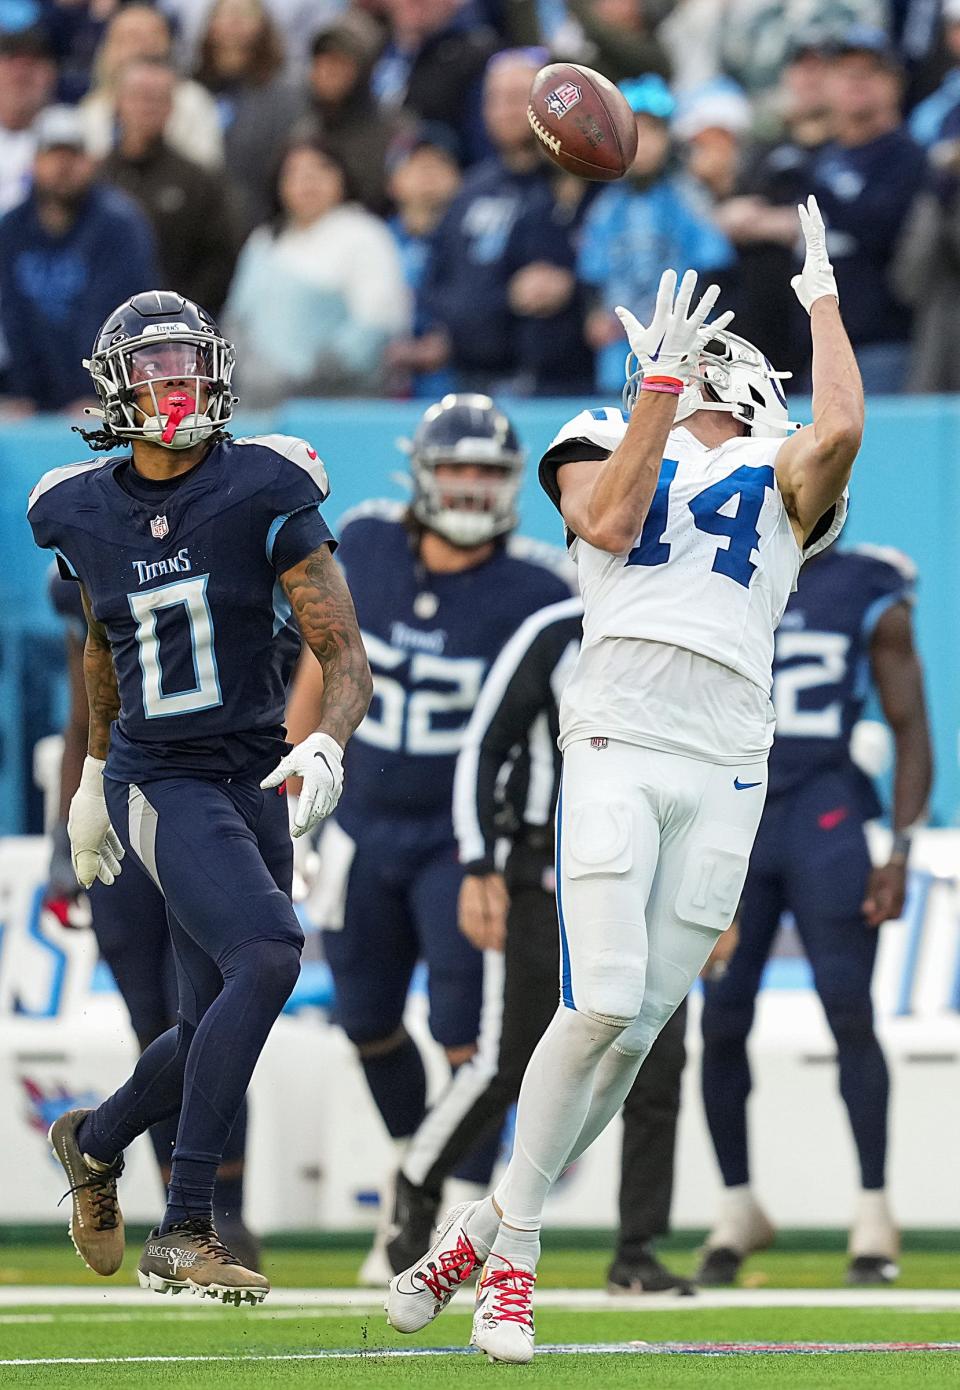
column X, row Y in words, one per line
column 177, row 405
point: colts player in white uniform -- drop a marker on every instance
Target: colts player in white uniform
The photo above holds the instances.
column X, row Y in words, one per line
column 689, row 519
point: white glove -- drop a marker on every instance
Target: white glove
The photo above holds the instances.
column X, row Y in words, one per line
column 95, row 851
column 671, row 344
column 319, row 761
column 816, row 279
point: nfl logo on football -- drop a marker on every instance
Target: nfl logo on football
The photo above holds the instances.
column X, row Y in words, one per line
column 159, row 527
column 563, row 98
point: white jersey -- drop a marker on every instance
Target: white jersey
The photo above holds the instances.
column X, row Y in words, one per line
column 678, row 634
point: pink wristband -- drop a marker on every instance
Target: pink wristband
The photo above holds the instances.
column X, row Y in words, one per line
column 668, row 384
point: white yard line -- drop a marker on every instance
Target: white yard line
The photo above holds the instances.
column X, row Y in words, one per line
column 711, row 1349
column 360, row 1301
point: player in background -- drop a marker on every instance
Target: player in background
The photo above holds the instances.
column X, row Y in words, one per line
column 689, row 519
column 192, row 549
column 849, row 619
column 440, row 586
column 505, row 798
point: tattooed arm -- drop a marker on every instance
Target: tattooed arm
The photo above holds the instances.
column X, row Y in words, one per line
column 100, row 678
column 325, row 615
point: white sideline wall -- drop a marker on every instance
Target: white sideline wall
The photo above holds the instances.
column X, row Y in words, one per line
column 318, row 1151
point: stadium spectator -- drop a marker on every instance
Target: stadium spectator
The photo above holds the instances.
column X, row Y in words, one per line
column 938, row 116
column 926, row 274
column 319, row 292
column 649, row 220
column 191, row 208
column 865, row 180
column 500, row 277
column 139, row 31
column 67, row 255
column 297, row 20
column 761, row 218
column 433, row 65
column 241, row 63
column 713, row 123
column 614, row 36
column 341, row 110
column 27, row 79
column 423, row 176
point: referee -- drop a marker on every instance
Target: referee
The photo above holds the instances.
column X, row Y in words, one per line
column 505, row 795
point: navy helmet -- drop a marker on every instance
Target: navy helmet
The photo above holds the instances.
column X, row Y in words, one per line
column 162, row 371
column 466, row 429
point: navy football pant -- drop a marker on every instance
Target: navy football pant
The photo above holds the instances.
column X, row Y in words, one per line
column 222, row 856
column 810, row 858
column 129, row 921
column 401, row 908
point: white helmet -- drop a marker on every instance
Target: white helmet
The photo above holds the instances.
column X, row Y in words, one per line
column 732, row 376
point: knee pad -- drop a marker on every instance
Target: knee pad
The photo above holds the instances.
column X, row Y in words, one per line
column 609, row 986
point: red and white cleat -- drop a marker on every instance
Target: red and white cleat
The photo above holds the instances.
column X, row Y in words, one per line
column 421, row 1292
column 503, row 1320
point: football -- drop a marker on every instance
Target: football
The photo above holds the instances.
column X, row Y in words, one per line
column 582, row 122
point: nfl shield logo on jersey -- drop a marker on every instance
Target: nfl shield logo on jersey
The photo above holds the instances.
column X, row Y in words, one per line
column 159, row 527
column 560, row 101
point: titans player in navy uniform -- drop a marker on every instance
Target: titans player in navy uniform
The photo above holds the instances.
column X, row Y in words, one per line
column 446, row 589
column 848, row 621
column 140, row 957
column 192, row 551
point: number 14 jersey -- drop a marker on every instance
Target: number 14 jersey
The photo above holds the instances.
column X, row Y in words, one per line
column 678, row 633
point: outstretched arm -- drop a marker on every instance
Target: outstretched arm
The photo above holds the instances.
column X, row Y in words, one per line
column 326, row 618
column 606, row 503
column 814, row 465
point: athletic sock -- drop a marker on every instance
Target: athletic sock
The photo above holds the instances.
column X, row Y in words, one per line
column 398, row 1084
column 190, row 1194
column 520, row 1246
column 553, row 1105
column 615, row 1076
column 482, row 1225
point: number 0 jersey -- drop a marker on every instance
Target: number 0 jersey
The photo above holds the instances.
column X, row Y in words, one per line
column 184, row 576
column 702, row 590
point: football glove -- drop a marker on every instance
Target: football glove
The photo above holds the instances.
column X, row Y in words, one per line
column 319, row 761
column 670, row 346
column 95, row 851
column 816, row 279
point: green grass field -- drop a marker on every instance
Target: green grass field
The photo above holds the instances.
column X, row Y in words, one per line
column 288, row 1343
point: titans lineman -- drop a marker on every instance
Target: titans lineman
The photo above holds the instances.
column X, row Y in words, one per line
column 192, row 549
column 688, row 519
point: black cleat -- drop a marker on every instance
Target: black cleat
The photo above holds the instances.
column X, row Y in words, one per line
column 415, row 1213
column 645, row 1274
column 719, row 1268
column 872, row 1269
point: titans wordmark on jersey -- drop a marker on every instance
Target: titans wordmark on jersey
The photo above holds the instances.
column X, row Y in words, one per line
column 717, row 559
column 821, row 671
column 430, row 639
column 185, row 579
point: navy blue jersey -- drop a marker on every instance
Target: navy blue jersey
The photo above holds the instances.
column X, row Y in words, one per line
column 186, row 582
column 67, row 604
column 821, row 669
column 430, row 639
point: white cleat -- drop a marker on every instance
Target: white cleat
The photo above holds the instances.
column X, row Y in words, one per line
column 503, row 1320
column 421, row 1292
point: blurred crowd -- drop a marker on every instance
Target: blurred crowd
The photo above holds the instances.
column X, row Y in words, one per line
column 355, row 191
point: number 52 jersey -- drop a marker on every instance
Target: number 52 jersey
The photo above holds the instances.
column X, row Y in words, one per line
column 702, row 589
column 184, row 576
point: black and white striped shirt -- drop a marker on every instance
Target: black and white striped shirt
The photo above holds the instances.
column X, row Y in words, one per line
column 508, row 770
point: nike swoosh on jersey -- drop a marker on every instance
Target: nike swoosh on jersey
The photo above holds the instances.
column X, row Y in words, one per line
column 743, row 786
column 831, row 819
